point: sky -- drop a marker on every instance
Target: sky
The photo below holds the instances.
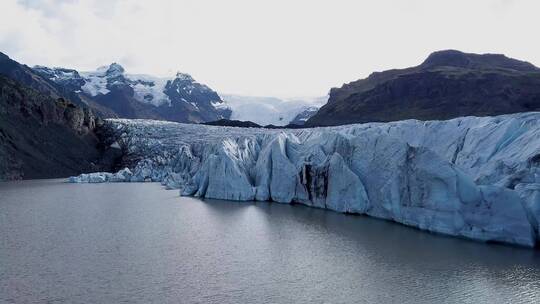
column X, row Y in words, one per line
column 283, row 48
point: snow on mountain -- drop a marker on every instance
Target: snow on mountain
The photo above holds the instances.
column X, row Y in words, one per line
column 473, row 177
column 182, row 90
column 180, row 98
column 185, row 89
column 67, row 78
column 147, row 89
column 269, row 110
column 95, row 82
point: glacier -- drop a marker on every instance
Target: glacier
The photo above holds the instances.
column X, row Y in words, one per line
column 271, row 110
column 471, row 177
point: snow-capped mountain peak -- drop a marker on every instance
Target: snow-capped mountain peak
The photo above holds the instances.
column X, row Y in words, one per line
column 179, row 98
column 68, row 78
column 184, row 77
column 115, row 70
column 187, row 99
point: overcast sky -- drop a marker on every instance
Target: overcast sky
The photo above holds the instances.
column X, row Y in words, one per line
column 282, row 48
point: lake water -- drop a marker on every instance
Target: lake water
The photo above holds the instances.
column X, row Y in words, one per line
column 138, row 243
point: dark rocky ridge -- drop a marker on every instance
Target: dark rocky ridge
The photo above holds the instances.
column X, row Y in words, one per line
column 42, row 134
column 446, row 85
column 26, row 76
column 232, row 123
column 249, row 124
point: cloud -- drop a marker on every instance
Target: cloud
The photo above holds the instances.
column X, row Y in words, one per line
column 47, row 7
column 280, row 47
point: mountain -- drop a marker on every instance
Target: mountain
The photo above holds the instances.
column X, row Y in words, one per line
column 45, row 130
column 447, row 84
column 302, row 117
column 114, row 93
column 271, row 110
column 42, row 136
column 24, row 75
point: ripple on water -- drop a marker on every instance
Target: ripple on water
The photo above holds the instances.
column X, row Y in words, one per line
column 136, row 243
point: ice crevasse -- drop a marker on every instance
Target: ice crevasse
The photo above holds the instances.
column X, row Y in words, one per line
column 474, row 177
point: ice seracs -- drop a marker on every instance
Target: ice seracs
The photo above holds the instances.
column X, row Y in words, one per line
column 473, row 177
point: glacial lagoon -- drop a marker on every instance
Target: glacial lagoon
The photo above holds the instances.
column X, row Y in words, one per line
column 138, row 243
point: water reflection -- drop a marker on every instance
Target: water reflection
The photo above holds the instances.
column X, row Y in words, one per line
column 138, row 243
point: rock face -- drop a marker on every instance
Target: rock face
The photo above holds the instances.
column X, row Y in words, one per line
column 44, row 137
column 46, row 130
column 470, row 177
column 113, row 93
column 446, row 85
column 233, row 123
column 27, row 77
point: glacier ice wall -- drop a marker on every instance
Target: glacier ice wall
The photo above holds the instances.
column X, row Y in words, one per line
column 474, row 177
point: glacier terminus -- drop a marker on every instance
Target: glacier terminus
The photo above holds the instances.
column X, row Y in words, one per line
column 471, row 177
